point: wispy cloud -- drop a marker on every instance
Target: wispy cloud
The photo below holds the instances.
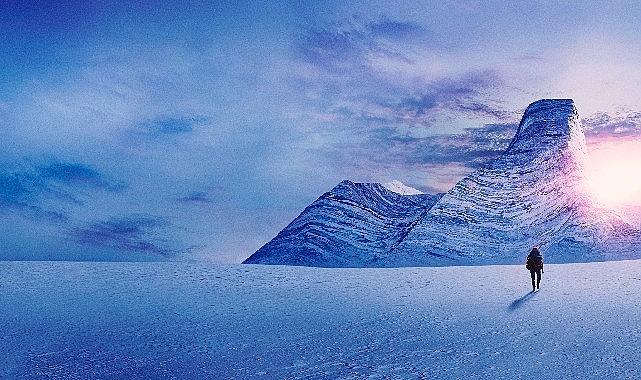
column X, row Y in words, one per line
column 357, row 44
column 161, row 130
column 28, row 187
column 205, row 196
column 432, row 163
column 396, row 30
column 198, row 197
column 473, row 148
column 135, row 234
column 74, row 174
column 621, row 125
column 168, row 126
column 460, row 94
column 392, row 73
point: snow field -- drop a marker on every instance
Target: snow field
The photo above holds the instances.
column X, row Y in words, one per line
column 185, row 320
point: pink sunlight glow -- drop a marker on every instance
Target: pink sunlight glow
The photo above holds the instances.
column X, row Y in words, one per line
column 615, row 180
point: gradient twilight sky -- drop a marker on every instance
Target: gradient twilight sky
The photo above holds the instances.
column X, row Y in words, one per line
column 197, row 130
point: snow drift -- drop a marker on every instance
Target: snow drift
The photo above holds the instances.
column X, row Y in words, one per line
column 532, row 195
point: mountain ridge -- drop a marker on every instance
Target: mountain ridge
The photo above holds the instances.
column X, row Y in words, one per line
column 347, row 226
column 534, row 194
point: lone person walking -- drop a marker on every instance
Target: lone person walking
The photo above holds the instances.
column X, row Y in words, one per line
column 534, row 264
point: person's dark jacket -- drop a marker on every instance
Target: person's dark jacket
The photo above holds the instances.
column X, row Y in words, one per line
column 534, row 261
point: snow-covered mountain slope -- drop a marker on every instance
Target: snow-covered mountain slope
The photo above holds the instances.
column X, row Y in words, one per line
column 347, row 227
column 533, row 195
column 83, row 320
column 400, row 188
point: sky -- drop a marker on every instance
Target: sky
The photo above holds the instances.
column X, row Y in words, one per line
column 197, row 130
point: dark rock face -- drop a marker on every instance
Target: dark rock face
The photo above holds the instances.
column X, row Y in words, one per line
column 533, row 195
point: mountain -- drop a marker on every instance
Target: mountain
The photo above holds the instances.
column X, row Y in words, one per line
column 349, row 226
column 534, row 194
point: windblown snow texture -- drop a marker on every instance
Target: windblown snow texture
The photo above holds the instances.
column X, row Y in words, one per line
column 533, row 195
column 181, row 320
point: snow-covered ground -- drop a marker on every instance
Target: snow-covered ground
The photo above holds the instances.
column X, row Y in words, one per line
column 186, row 320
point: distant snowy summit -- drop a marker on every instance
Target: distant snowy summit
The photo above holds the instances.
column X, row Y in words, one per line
column 532, row 195
column 400, row 188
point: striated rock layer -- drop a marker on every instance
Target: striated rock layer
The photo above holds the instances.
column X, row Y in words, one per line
column 533, row 195
column 349, row 226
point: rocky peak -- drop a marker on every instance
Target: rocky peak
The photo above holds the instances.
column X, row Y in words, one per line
column 549, row 130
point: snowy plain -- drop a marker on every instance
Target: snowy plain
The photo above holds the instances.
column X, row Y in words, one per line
column 170, row 320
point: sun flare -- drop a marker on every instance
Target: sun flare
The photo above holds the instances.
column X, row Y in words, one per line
column 616, row 176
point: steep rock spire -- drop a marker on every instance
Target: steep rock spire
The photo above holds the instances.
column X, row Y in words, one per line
column 549, row 128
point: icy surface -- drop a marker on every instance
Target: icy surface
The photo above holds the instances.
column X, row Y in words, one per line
column 193, row 321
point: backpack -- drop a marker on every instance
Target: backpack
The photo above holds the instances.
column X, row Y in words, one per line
column 534, row 262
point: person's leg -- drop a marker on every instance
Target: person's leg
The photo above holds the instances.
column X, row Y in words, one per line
column 532, row 274
column 538, row 278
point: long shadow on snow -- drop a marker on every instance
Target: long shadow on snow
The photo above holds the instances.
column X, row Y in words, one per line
column 518, row 303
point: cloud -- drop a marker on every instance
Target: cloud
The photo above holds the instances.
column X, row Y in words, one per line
column 41, row 190
column 621, row 125
column 487, row 110
column 170, row 126
column 74, row 174
column 418, row 105
column 460, row 94
column 198, row 197
column 396, row 30
column 331, row 50
column 392, row 73
column 386, row 99
column 474, row 148
column 432, row 163
column 161, row 130
column 356, row 44
column 135, row 234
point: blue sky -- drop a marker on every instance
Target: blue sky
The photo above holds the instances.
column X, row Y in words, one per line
column 197, row 130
